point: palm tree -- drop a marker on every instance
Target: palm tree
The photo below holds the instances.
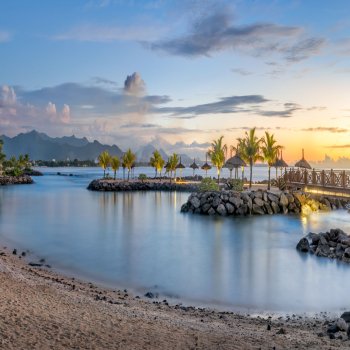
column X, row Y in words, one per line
column 128, row 160
column 270, row 152
column 104, row 159
column 157, row 162
column 172, row 163
column 249, row 150
column 217, row 154
column 115, row 163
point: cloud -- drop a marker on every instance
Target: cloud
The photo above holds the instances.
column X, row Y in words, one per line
column 241, row 71
column 7, row 96
column 4, row 36
column 134, row 84
column 304, row 49
column 138, row 125
column 289, row 109
column 108, row 33
column 339, row 146
column 327, row 129
column 104, row 82
column 216, row 33
column 229, row 104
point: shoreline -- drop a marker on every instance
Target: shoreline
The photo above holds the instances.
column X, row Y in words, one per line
column 74, row 312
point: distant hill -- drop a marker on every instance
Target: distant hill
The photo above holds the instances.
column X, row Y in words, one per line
column 145, row 153
column 40, row 146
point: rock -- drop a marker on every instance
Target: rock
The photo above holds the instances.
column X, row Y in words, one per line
column 333, row 328
column 346, row 316
column 272, row 197
column 341, row 324
column 322, row 250
column 205, row 207
column 211, row 211
column 242, row 210
column 258, row 201
column 257, row 210
column 237, row 202
column 230, row 208
column 331, row 336
column 268, row 327
column 268, row 208
column 284, row 200
column 258, row 194
column 14, row 252
column 149, row 295
column 195, row 202
column 221, row 209
column 347, row 253
column 303, row 245
column 275, row 207
column 284, row 210
column 281, row 331
column 216, row 202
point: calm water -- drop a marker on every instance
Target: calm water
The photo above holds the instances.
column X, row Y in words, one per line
column 142, row 241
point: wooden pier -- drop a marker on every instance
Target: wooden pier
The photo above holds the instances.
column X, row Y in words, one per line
column 334, row 182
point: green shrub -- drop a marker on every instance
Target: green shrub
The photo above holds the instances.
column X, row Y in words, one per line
column 208, row 184
column 142, row 177
column 235, row 185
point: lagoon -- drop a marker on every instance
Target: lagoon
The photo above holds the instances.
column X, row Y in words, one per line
column 142, row 241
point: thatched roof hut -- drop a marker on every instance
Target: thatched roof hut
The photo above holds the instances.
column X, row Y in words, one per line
column 194, row 166
column 302, row 163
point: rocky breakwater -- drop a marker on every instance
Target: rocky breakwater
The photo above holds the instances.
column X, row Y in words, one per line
column 15, row 180
column 258, row 202
column 334, row 244
column 120, row 186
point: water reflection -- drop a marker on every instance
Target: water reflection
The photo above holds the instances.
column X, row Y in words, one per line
column 141, row 240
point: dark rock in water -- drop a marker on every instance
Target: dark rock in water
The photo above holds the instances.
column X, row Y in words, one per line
column 149, row 295
column 23, row 254
column 221, row 209
column 331, row 336
column 333, row 328
column 257, row 210
column 346, row 316
column 269, row 327
column 14, row 252
column 303, row 245
column 35, row 264
column 323, row 250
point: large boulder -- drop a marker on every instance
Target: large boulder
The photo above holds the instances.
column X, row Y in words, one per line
column 272, row 197
column 323, row 250
column 284, row 200
column 275, row 207
column 346, row 316
column 221, row 209
column 257, row 210
column 195, row 202
column 258, row 201
column 230, row 208
column 236, row 201
column 303, row 245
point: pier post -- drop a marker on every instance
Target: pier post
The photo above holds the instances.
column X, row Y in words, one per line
column 332, row 177
column 313, row 176
column 343, row 179
column 322, row 178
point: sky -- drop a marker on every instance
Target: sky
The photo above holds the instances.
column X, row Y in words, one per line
column 180, row 72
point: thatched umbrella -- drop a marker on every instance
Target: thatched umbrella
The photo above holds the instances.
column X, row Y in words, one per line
column 180, row 166
column 194, row 166
column 280, row 163
column 235, row 162
column 206, row 166
column 302, row 162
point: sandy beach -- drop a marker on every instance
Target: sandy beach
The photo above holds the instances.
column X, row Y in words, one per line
column 41, row 309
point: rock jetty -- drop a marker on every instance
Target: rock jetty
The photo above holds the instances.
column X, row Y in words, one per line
column 120, row 186
column 258, row 202
column 334, row 244
column 15, row 180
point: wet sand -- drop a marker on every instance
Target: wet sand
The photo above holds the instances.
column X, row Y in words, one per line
column 40, row 309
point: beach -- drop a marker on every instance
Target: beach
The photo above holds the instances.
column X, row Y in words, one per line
column 41, row 309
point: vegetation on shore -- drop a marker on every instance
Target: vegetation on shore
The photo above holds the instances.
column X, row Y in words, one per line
column 14, row 166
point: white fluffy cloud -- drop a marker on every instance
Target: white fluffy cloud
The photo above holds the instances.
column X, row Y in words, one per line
column 7, row 96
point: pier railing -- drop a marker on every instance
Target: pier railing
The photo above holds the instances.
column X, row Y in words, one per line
column 320, row 178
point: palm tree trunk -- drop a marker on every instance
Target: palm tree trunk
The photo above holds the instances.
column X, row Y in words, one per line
column 269, row 182
column 115, row 174
column 218, row 177
column 128, row 174
column 251, row 174
column 156, row 174
column 104, row 173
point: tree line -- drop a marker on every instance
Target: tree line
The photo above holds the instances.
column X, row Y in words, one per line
column 250, row 148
